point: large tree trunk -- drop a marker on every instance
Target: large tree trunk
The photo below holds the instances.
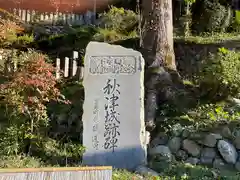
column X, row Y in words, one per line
column 157, row 49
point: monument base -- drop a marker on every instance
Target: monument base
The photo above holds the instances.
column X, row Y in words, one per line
column 126, row 158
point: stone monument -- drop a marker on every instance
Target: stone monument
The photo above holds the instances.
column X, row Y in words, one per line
column 113, row 118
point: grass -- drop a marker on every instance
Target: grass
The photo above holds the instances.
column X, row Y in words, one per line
column 124, row 175
column 210, row 38
column 182, row 171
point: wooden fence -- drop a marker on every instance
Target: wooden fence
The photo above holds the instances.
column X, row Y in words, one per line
column 67, row 173
column 67, row 67
column 55, row 18
column 70, row 67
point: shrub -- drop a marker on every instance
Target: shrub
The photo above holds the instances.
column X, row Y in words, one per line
column 8, row 30
column 10, row 16
column 118, row 19
column 10, row 142
column 13, row 33
column 65, row 118
column 20, row 162
column 211, row 16
column 235, row 26
column 209, row 114
column 25, row 96
column 24, row 40
column 74, row 40
column 106, row 35
column 220, row 73
column 61, row 153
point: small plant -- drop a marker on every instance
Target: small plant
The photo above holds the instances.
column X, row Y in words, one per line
column 64, row 153
column 107, row 35
column 209, row 114
column 20, row 161
column 24, row 40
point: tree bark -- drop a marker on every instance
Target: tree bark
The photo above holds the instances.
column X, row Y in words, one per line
column 158, row 52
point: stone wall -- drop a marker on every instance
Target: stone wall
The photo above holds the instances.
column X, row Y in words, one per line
column 218, row 146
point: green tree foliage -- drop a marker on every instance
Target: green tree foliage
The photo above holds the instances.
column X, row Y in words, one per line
column 118, row 22
column 211, row 16
column 221, row 73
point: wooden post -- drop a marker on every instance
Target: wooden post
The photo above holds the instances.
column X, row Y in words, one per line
column 72, row 18
column 74, row 65
column 69, row 18
column 58, row 68
column 20, row 13
column 64, row 19
column 66, row 67
column 79, row 71
column 28, row 15
column 33, row 16
column 46, row 17
column 23, row 18
column 51, row 18
column 15, row 12
column 60, row 17
column 41, row 17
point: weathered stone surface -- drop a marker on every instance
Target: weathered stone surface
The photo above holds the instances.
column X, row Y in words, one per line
column 145, row 171
column 236, row 101
column 236, row 132
column 218, row 163
column 186, row 133
column 161, row 150
column 207, row 156
column 196, row 135
column 191, row 147
column 237, row 142
column 161, row 158
column 211, row 139
column 160, row 166
column 192, row 160
column 237, row 165
column 206, row 161
column 177, row 130
column 160, row 139
column 226, row 132
column 227, row 151
column 174, row 144
column 181, row 155
column 113, row 118
column 208, row 152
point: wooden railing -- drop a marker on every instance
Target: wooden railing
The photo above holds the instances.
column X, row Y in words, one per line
column 70, row 67
column 66, row 67
column 55, row 18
